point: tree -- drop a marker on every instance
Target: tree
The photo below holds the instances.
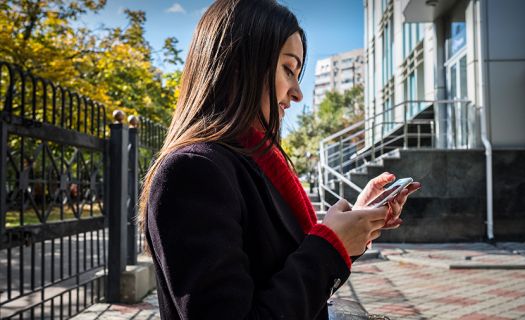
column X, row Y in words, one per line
column 171, row 53
column 113, row 66
column 336, row 112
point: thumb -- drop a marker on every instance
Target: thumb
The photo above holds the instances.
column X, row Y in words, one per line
column 342, row 205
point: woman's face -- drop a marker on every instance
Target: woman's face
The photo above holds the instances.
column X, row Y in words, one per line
column 286, row 78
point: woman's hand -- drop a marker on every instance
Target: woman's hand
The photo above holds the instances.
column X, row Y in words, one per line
column 395, row 206
column 355, row 228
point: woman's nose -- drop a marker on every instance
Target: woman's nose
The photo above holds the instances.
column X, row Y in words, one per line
column 297, row 94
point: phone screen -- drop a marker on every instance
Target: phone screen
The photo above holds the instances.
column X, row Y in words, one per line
column 390, row 192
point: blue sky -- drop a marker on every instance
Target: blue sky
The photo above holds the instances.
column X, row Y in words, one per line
column 331, row 27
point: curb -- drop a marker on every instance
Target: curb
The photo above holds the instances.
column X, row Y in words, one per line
column 448, row 265
column 371, row 255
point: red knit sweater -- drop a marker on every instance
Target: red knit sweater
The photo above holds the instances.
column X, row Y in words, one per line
column 277, row 170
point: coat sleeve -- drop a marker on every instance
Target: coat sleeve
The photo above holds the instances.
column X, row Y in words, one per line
column 195, row 227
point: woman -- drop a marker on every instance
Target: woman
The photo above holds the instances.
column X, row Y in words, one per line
column 230, row 229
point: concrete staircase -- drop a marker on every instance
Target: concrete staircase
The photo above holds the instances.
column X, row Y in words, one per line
column 316, row 202
column 449, row 207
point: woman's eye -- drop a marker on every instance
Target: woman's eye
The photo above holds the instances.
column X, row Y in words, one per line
column 289, row 72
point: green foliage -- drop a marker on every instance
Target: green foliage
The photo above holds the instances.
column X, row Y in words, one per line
column 171, row 53
column 113, row 66
column 336, row 112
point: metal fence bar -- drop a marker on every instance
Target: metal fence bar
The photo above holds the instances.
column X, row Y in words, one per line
column 133, row 195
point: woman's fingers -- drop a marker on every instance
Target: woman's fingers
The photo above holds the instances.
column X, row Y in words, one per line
column 376, row 214
column 375, row 234
column 355, row 226
column 381, row 180
column 397, row 203
column 342, row 205
column 413, row 187
column 373, row 188
column 377, row 224
column 393, row 224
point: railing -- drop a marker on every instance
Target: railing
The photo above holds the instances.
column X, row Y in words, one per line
column 150, row 139
column 410, row 124
column 53, row 198
column 58, row 196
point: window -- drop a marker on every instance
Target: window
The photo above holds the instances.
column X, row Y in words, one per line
column 456, row 77
column 413, row 33
column 388, row 115
column 455, row 30
column 457, row 38
column 387, row 52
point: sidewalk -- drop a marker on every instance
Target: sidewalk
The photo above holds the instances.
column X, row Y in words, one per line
column 147, row 310
column 468, row 281
column 441, row 281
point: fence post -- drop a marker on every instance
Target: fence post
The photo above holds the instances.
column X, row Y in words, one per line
column 133, row 189
column 118, row 185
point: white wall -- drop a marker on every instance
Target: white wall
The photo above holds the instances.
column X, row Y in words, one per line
column 505, row 25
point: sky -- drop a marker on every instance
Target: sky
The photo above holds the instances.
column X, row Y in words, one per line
column 331, row 27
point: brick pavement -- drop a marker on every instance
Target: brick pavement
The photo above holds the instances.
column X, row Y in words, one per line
column 435, row 281
column 148, row 309
column 426, row 284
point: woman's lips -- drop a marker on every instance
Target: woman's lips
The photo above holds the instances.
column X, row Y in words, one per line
column 283, row 108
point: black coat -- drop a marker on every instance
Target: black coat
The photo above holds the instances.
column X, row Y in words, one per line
column 226, row 246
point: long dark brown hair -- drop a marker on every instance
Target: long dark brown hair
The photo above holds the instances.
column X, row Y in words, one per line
column 233, row 54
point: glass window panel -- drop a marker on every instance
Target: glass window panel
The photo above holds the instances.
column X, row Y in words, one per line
column 453, row 82
column 463, row 77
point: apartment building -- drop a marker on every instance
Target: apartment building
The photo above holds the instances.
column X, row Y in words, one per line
column 338, row 73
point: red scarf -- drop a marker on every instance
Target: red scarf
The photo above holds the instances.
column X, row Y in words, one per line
column 277, row 170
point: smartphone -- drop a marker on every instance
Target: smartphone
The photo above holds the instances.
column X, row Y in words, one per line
column 390, row 192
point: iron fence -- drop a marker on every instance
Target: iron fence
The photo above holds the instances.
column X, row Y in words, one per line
column 55, row 198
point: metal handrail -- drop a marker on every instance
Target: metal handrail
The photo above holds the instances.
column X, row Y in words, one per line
column 357, row 144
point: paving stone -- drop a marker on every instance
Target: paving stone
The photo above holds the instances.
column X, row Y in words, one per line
column 441, row 293
column 409, row 291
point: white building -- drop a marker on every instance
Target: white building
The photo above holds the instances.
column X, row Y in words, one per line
column 421, row 52
column 444, row 104
column 338, row 73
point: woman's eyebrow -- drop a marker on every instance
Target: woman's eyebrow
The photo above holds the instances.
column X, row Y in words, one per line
column 299, row 63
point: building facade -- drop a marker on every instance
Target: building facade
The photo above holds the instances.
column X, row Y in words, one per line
column 456, row 70
column 422, row 54
column 338, row 73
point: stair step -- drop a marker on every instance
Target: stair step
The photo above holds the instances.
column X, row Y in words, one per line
column 376, row 163
column 394, row 154
column 359, row 170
